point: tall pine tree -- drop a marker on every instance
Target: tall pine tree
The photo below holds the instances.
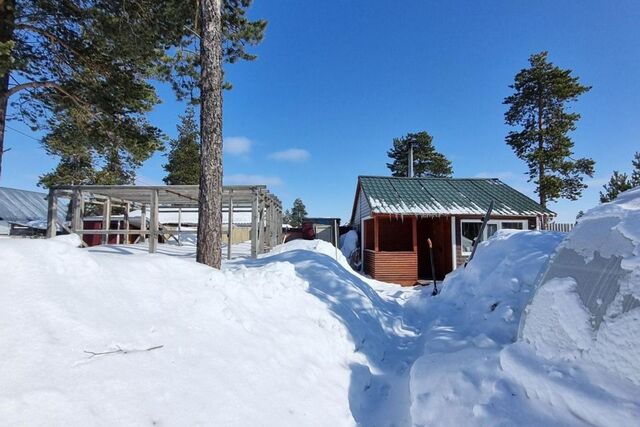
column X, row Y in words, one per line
column 426, row 160
column 183, row 165
column 538, row 107
column 81, row 67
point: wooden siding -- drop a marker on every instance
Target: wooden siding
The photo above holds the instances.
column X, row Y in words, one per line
column 362, row 210
column 393, row 267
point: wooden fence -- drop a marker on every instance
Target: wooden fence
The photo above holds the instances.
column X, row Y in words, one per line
column 560, row 226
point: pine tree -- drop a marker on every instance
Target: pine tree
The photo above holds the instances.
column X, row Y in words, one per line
column 298, row 213
column 539, row 107
column 426, row 160
column 620, row 182
column 85, row 64
column 635, row 174
column 183, row 166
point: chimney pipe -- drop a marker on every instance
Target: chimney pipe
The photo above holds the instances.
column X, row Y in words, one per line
column 410, row 169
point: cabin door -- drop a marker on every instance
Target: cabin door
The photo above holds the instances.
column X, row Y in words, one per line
column 438, row 229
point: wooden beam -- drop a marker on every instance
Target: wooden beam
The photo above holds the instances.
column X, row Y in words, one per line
column 127, row 225
column 254, row 227
column 414, row 225
column 52, row 213
column 376, row 240
column 143, row 223
column 106, row 220
column 76, row 211
column 153, row 238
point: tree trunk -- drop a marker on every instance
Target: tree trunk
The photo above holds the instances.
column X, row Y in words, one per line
column 7, row 16
column 541, row 167
column 209, row 249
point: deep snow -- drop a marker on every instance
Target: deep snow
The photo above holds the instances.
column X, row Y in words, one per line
column 292, row 338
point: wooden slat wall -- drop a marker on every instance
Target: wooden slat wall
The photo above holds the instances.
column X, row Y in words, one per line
column 394, row 267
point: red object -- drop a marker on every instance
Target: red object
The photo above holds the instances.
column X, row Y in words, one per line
column 308, row 233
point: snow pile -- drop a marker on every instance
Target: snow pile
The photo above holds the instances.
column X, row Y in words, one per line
column 183, row 344
column 587, row 309
column 472, row 372
column 348, row 243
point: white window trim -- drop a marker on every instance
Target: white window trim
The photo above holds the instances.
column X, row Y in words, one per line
column 498, row 222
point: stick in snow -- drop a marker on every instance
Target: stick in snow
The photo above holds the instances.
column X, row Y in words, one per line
column 120, row 350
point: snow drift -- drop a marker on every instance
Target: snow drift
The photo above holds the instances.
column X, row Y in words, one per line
column 587, row 308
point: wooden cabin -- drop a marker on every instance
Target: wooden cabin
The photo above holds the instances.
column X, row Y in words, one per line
column 395, row 217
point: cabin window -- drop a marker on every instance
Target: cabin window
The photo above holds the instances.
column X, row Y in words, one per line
column 470, row 228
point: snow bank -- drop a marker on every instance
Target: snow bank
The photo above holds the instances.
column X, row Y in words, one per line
column 246, row 346
column 348, row 243
column 587, row 309
column 472, row 373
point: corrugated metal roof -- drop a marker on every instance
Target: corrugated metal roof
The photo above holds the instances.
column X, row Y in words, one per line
column 23, row 206
column 446, row 196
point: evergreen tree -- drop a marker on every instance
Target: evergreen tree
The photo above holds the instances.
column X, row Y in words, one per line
column 620, row 182
column 635, row 174
column 183, row 166
column 70, row 63
column 426, row 160
column 539, row 107
column 297, row 214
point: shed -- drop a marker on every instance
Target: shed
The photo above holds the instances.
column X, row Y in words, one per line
column 395, row 216
column 25, row 209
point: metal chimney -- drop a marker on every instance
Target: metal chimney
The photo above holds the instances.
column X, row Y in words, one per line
column 410, row 168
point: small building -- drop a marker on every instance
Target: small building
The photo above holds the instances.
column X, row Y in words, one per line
column 395, row 217
column 24, row 212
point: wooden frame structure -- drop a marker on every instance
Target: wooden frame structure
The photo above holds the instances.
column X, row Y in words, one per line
column 265, row 208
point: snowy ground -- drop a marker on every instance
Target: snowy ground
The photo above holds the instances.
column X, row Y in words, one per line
column 115, row 336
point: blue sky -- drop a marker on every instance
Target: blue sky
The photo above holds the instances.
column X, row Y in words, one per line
column 337, row 80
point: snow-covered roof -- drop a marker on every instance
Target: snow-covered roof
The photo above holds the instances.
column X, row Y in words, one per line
column 445, row 196
column 22, row 206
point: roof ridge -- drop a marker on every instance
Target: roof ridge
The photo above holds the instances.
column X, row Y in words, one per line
column 443, row 178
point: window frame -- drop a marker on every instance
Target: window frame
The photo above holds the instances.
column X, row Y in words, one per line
column 498, row 222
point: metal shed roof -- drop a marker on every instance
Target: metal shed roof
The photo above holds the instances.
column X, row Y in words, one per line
column 445, row 196
column 22, row 206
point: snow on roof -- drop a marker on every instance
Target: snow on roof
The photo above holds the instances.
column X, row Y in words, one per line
column 22, row 206
column 445, row 196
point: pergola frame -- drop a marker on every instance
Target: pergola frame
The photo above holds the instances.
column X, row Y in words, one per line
column 265, row 208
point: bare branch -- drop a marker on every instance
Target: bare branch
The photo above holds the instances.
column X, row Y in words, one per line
column 120, row 350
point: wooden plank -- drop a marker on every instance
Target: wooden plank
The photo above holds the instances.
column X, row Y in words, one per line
column 143, row 224
column 254, row 227
column 414, row 225
column 153, row 226
column 376, row 243
column 106, row 220
column 127, row 225
column 76, row 213
column 52, row 213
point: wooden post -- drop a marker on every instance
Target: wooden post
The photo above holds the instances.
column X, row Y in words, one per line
column 153, row 238
column 414, row 224
column 106, row 220
column 143, row 223
column 254, row 227
column 52, row 213
column 76, row 214
column 230, row 227
column 179, row 226
column 127, row 226
column 376, row 246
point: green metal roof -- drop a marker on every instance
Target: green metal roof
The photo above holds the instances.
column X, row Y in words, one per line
column 445, row 196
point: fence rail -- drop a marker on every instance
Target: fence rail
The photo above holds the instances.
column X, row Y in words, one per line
column 560, row 226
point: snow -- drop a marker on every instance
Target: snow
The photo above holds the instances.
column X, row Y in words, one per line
column 296, row 337
column 587, row 309
column 348, row 243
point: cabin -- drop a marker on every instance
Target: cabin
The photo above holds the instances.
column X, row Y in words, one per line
column 24, row 213
column 395, row 216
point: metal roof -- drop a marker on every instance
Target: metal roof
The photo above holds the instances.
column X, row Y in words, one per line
column 22, row 206
column 445, row 196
